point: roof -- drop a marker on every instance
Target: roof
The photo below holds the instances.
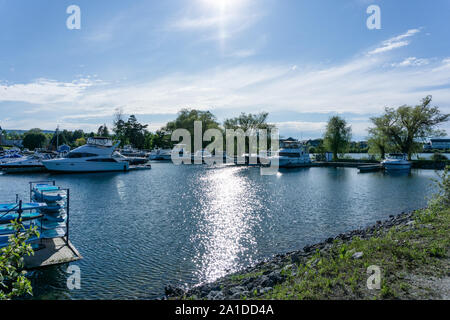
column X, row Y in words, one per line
column 440, row 140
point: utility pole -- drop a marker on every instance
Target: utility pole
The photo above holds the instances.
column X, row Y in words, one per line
column 57, row 137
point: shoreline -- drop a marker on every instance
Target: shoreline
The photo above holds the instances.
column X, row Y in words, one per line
column 259, row 281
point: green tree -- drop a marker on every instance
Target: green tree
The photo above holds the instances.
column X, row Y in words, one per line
column 250, row 123
column 103, row 131
column 337, row 136
column 13, row 281
column 80, row 142
column 408, row 127
column 34, row 138
column 378, row 142
column 186, row 119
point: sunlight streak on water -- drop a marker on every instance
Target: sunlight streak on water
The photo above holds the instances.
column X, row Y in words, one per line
column 227, row 216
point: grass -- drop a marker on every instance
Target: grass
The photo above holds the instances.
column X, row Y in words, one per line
column 239, row 277
column 418, row 248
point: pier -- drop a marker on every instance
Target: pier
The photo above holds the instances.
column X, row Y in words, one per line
column 54, row 251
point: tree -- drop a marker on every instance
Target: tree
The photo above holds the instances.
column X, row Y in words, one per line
column 129, row 132
column 103, row 131
column 378, row 142
column 408, row 127
column 33, row 139
column 337, row 136
column 13, row 282
column 250, row 123
column 80, row 142
column 186, row 119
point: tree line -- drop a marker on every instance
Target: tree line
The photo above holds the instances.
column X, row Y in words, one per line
column 403, row 129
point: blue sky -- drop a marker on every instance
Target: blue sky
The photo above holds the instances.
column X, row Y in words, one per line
column 301, row 61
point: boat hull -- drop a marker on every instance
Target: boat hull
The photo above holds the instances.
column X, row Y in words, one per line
column 22, row 168
column 68, row 167
column 397, row 167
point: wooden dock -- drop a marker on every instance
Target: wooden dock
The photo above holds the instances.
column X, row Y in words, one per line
column 370, row 168
column 56, row 251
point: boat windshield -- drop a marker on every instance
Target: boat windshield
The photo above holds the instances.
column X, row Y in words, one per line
column 396, row 156
column 103, row 142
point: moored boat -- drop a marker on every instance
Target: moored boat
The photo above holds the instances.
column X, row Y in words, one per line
column 292, row 154
column 396, row 162
column 95, row 156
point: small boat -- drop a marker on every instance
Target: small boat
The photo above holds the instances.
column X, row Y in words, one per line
column 129, row 151
column 48, row 193
column 13, row 207
column 130, row 159
column 94, row 156
column 201, row 154
column 161, row 155
column 53, row 233
column 31, row 163
column 7, row 218
column 292, row 154
column 396, row 162
column 11, row 157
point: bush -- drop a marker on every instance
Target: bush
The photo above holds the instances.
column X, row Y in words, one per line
column 438, row 157
column 13, row 282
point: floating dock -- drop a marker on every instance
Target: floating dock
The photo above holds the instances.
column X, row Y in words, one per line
column 370, row 168
column 55, row 251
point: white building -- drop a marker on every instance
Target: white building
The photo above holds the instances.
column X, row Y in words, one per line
column 440, row 144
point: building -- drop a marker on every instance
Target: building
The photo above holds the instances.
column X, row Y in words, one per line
column 439, row 144
column 9, row 143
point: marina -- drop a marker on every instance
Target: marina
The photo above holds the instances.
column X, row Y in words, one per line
column 225, row 218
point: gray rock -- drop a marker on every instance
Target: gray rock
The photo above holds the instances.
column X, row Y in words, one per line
column 357, row 255
column 215, row 295
column 264, row 290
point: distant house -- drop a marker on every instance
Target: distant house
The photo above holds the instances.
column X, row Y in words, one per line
column 314, row 143
column 8, row 142
column 363, row 144
column 439, row 144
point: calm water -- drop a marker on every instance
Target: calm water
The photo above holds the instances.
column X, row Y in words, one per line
column 141, row 230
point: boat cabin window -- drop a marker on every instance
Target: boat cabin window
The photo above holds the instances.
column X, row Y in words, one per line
column 102, row 160
column 73, row 155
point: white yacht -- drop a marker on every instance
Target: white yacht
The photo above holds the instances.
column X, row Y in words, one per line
column 95, row 156
column 396, row 162
column 29, row 164
column 292, row 154
column 161, row 154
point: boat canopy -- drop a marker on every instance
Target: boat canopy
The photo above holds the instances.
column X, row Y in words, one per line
column 100, row 141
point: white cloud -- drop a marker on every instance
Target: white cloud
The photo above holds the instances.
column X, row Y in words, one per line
column 395, row 42
column 411, row 61
column 44, row 91
column 362, row 86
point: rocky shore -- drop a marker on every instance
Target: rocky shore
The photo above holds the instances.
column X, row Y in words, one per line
column 260, row 279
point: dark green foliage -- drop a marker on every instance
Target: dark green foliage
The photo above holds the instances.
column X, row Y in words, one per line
column 406, row 127
column 13, row 282
column 34, row 138
column 337, row 136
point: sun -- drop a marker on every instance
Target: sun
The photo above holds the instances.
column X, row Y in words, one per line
column 223, row 5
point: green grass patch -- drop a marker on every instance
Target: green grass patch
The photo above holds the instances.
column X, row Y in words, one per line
column 334, row 274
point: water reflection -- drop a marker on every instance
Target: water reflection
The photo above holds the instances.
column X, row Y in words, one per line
column 228, row 212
